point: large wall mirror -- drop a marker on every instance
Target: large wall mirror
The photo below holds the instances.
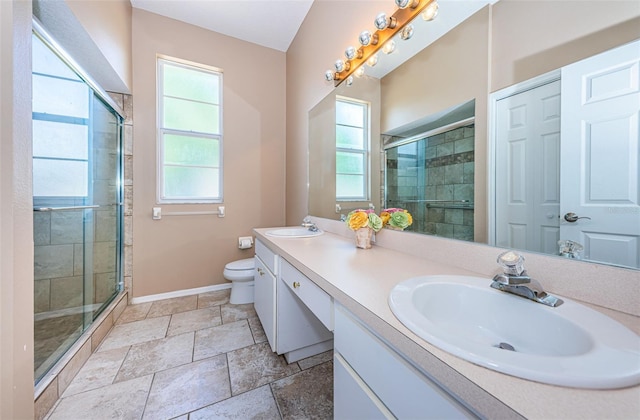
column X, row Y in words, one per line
column 433, row 147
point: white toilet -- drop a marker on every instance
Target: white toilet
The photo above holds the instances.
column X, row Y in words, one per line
column 240, row 273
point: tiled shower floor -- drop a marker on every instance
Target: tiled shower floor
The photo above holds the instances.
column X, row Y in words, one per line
column 195, row 357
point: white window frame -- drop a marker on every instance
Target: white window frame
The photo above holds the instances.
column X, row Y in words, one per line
column 366, row 152
column 161, row 131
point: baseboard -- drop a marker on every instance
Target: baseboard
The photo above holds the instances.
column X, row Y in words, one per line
column 180, row 293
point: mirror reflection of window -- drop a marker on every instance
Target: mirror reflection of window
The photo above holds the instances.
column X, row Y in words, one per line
column 352, row 149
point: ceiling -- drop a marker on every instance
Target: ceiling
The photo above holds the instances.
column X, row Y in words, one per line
column 270, row 23
column 274, row 23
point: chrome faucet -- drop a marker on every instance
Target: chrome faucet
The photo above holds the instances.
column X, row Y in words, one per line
column 306, row 222
column 515, row 280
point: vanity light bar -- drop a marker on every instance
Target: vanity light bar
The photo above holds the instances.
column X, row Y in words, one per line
column 401, row 17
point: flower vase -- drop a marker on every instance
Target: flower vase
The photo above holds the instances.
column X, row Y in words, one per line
column 363, row 237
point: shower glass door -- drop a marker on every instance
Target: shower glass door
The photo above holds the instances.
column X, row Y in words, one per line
column 77, row 205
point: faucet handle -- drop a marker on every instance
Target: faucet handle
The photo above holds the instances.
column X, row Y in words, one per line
column 512, row 263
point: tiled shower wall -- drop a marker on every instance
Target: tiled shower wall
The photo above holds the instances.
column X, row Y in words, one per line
column 58, row 237
column 442, row 171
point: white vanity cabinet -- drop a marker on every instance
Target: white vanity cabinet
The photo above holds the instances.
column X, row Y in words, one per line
column 371, row 380
column 296, row 314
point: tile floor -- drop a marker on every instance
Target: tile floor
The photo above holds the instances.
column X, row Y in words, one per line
column 195, row 357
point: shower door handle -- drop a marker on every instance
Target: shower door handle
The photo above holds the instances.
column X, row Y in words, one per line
column 65, row 208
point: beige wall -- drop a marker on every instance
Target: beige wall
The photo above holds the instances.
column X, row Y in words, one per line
column 108, row 23
column 523, row 47
column 16, row 222
column 183, row 252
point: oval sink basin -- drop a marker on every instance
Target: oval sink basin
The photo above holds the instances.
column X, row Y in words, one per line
column 293, row 232
column 570, row 345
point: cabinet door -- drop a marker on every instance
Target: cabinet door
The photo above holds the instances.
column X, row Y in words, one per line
column 405, row 391
column 265, row 300
column 352, row 399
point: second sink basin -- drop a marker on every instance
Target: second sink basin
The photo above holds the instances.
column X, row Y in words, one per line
column 293, row 232
column 570, row 345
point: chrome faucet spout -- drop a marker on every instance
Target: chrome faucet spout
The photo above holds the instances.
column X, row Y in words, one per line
column 516, row 281
column 512, row 279
column 306, row 222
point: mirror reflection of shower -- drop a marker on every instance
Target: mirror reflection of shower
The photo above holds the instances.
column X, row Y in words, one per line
column 431, row 174
column 77, row 197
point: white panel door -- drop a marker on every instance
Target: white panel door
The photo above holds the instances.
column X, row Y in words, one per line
column 528, row 170
column 600, row 155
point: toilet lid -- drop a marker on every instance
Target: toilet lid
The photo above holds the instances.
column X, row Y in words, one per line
column 246, row 264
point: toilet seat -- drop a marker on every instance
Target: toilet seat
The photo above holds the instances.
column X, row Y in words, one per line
column 246, row 264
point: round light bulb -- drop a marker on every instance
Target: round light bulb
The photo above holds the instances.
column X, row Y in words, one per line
column 381, row 21
column 406, row 32
column 364, row 38
column 339, row 65
column 431, row 11
column 350, row 53
column 359, row 72
column 329, row 75
column 389, row 47
column 373, row 60
column 349, row 80
column 403, row 4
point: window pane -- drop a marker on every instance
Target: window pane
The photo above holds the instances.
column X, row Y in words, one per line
column 48, row 92
column 349, row 163
column 191, row 183
column 348, row 113
column 185, row 150
column 349, row 137
column 349, row 186
column 185, row 115
column 191, row 84
column 59, row 178
column 60, row 140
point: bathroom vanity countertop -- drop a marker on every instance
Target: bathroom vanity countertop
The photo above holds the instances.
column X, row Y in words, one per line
column 361, row 280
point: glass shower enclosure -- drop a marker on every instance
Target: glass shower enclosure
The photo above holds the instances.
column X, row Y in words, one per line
column 77, row 202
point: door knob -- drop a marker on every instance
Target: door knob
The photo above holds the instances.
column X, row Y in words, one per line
column 572, row 217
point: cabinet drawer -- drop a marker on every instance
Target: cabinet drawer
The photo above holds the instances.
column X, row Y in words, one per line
column 316, row 299
column 404, row 390
column 267, row 256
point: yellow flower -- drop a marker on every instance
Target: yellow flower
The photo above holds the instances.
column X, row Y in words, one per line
column 409, row 217
column 385, row 216
column 358, row 220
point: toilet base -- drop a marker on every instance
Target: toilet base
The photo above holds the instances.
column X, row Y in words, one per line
column 242, row 292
